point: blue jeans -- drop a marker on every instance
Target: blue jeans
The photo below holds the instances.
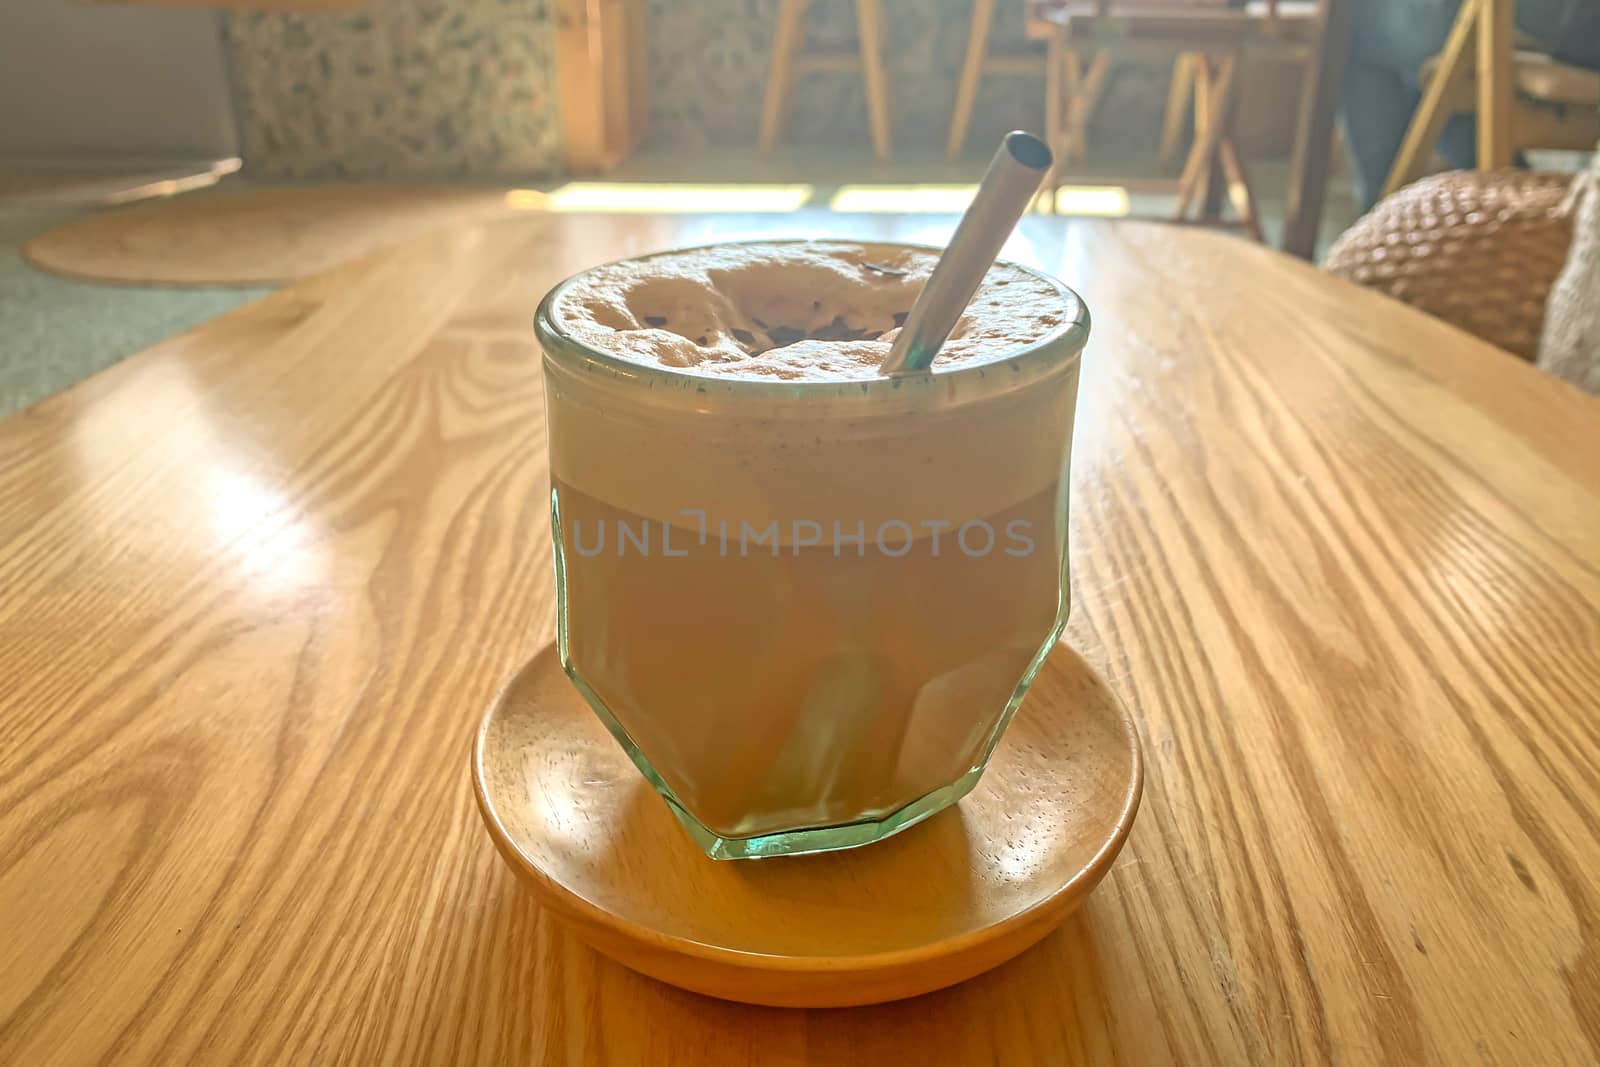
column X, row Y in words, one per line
column 1391, row 42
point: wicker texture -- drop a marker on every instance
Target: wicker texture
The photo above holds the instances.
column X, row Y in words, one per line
column 1479, row 249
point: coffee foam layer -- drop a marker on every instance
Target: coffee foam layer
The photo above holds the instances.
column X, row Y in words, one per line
column 802, row 311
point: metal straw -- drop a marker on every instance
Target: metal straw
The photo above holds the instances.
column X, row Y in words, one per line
column 1007, row 188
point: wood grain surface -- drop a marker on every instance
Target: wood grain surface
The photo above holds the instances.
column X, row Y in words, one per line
column 259, row 582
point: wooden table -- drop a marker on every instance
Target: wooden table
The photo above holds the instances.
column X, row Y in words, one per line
column 260, row 581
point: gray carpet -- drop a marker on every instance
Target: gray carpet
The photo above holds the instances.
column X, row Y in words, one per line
column 55, row 332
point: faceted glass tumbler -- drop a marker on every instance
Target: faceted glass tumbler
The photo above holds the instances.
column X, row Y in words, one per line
column 807, row 610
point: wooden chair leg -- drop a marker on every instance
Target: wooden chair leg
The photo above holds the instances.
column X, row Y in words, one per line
column 1431, row 113
column 1240, row 194
column 1313, row 138
column 1215, row 87
column 1219, row 187
column 1056, row 74
column 1205, row 93
column 1495, row 73
column 971, row 75
column 1177, row 104
column 1081, row 105
column 869, row 23
column 786, row 41
column 1214, row 189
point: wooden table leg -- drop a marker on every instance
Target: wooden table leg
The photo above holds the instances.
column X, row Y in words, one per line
column 1056, row 74
column 1313, row 148
column 1495, row 73
column 869, row 23
column 971, row 75
column 786, row 41
column 1431, row 112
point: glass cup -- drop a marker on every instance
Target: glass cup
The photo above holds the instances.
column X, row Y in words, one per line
column 808, row 610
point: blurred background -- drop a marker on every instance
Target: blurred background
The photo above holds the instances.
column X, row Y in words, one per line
column 162, row 161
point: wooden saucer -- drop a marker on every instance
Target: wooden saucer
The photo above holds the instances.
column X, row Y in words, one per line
column 934, row 905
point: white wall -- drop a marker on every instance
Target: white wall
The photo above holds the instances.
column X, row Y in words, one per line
column 105, row 87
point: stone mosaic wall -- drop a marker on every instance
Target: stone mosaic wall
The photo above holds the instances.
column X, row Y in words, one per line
column 398, row 89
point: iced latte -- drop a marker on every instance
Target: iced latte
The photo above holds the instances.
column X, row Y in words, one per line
column 804, row 595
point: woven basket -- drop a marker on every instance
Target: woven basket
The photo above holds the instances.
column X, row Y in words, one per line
column 1479, row 249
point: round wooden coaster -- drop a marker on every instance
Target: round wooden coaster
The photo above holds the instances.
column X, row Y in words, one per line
column 947, row 899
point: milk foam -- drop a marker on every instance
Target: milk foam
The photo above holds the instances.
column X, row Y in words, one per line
column 808, row 431
column 802, row 311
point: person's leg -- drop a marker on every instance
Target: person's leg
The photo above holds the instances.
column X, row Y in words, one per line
column 1458, row 142
column 1392, row 40
column 1373, row 114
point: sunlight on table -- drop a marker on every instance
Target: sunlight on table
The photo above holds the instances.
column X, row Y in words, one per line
column 649, row 197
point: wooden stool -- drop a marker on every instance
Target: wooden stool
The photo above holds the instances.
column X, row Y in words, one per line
column 1522, row 99
column 1070, row 89
column 1207, row 43
column 1213, row 152
column 980, row 61
column 789, row 59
